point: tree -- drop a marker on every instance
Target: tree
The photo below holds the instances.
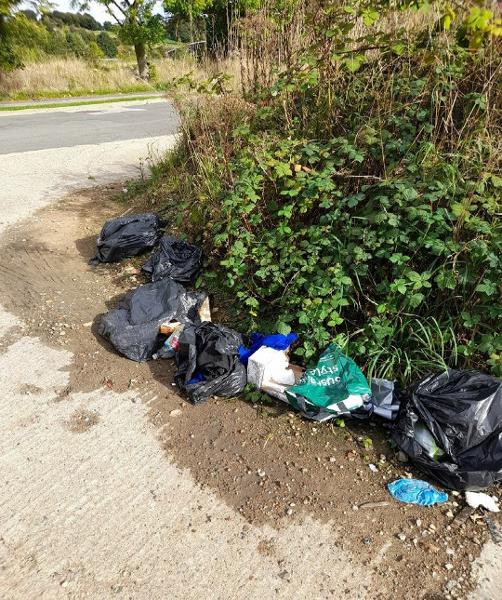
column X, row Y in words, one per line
column 29, row 14
column 178, row 28
column 188, row 9
column 137, row 25
column 219, row 15
column 8, row 59
column 107, row 44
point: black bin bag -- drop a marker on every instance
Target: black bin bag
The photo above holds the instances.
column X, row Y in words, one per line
column 459, row 415
column 133, row 327
column 208, row 362
column 176, row 259
column 125, row 237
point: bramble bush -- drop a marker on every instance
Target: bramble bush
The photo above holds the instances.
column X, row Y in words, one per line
column 359, row 198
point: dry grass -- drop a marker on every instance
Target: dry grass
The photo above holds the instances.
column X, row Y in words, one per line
column 71, row 77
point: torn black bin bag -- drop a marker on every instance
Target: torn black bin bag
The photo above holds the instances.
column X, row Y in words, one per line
column 462, row 410
column 174, row 258
column 208, row 362
column 127, row 236
column 133, row 327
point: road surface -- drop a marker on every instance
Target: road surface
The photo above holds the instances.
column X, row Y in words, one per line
column 75, row 126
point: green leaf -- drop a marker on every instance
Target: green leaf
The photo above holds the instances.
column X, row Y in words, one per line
column 496, row 181
column 487, row 287
column 355, row 62
column 283, row 328
column 416, row 300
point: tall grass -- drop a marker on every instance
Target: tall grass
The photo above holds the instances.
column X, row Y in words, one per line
column 73, row 76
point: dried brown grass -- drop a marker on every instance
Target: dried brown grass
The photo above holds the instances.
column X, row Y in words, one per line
column 72, row 76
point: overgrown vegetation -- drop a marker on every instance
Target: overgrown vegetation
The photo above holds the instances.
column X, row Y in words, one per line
column 354, row 192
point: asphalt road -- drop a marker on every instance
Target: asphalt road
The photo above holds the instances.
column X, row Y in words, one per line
column 41, row 129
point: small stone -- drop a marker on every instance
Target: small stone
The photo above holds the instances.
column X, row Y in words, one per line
column 289, row 512
column 260, row 473
column 373, row 468
column 175, row 413
column 418, row 522
column 448, row 566
column 401, row 537
column 332, row 459
column 402, row 457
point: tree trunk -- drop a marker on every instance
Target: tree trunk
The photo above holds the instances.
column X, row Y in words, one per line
column 190, row 24
column 140, row 51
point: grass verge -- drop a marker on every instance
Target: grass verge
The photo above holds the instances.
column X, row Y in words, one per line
column 17, row 108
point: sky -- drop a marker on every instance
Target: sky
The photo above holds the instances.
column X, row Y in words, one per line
column 98, row 11
column 95, row 9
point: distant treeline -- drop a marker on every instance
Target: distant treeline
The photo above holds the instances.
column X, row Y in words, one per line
column 59, row 34
column 58, row 18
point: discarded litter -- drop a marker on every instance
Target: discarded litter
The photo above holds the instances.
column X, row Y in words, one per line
column 383, row 401
column 133, row 327
column 278, row 341
column 381, row 504
column 176, row 259
column 208, row 362
column 125, row 237
column 416, row 491
column 428, row 442
column 269, row 370
column 494, row 530
column 172, row 344
column 477, row 499
column 451, row 428
column 335, row 387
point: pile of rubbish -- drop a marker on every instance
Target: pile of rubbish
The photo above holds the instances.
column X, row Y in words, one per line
column 449, row 424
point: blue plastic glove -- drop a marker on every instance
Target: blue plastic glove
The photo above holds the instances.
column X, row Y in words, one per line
column 416, row 491
column 276, row 340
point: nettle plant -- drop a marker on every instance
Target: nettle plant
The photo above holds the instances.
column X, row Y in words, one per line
column 364, row 199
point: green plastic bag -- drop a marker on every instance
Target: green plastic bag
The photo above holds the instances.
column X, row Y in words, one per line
column 336, row 386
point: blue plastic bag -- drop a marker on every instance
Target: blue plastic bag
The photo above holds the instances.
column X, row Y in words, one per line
column 416, row 491
column 278, row 341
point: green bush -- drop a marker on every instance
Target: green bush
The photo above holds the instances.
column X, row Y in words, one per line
column 107, row 44
column 361, row 201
